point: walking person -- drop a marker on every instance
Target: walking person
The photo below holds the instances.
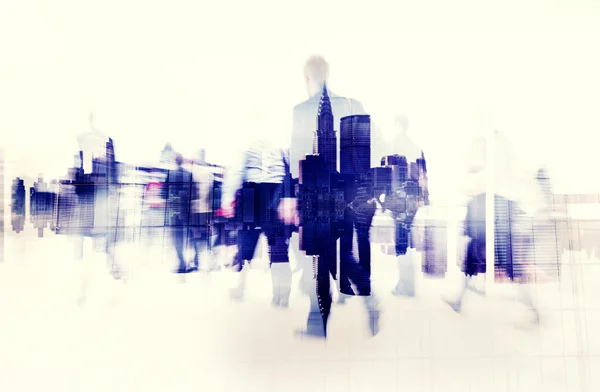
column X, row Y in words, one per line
column 513, row 231
column 251, row 196
column 177, row 214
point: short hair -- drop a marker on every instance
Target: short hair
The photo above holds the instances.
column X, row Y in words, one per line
column 179, row 159
column 316, row 68
column 402, row 121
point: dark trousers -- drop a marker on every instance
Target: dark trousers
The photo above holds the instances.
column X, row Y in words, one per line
column 263, row 203
column 200, row 233
column 247, row 241
column 355, row 268
column 179, row 236
column 507, row 215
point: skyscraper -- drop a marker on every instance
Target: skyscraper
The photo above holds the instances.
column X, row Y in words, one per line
column 355, row 144
column 325, row 143
column 18, row 205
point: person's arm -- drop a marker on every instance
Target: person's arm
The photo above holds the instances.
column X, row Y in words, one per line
column 287, row 209
column 232, row 182
column 295, row 153
column 202, row 189
column 288, row 181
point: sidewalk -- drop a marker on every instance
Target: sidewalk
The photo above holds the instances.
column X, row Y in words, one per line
column 162, row 331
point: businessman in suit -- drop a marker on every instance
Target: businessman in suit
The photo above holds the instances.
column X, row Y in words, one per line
column 316, row 73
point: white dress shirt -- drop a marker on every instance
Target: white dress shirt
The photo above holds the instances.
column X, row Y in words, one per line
column 261, row 163
column 305, row 125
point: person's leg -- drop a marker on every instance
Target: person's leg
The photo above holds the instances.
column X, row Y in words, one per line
column 406, row 274
column 456, row 302
column 79, row 246
column 362, row 280
column 201, row 248
column 323, row 291
column 358, row 272
column 308, row 282
column 348, row 265
column 405, row 284
column 112, row 262
column 217, row 244
column 281, row 277
column 526, row 298
column 281, row 274
column 405, row 259
column 247, row 241
column 195, row 242
column 179, row 242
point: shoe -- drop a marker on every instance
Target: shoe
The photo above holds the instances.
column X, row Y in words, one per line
column 533, row 322
column 472, row 287
column 398, row 292
column 315, row 327
column 374, row 322
column 116, row 274
column 312, row 333
column 236, row 294
column 280, row 303
column 455, row 305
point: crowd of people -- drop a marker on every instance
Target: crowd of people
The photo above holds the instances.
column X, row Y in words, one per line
column 204, row 211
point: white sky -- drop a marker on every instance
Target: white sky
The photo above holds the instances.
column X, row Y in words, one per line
column 194, row 73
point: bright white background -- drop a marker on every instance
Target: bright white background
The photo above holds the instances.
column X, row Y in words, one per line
column 206, row 74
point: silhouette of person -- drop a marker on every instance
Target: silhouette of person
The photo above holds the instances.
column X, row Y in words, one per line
column 179, row 186
column 316, row 74
column 402, row 145
column 201, row 210
column 97, row 198
column 99, row 165
column 252, row 194
column 516, row 199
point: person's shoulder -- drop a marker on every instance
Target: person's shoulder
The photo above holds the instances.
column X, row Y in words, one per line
column 355, row 102
column 304, row 105
column 353, row 105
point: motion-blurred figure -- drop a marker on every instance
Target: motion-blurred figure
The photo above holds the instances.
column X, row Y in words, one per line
column 517, row 198
column 179, row 188
column 406, row 254
column 201, row 220
column 252, row 194
column 316, row 75
column 17, row 205
column 95, row 184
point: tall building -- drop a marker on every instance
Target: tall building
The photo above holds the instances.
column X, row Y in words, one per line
column 355, row 144
column 18, row 205
column 325, row 142
column 41, row 205
column 399, row 169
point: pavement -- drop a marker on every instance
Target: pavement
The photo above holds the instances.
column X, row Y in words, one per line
column 160, row 331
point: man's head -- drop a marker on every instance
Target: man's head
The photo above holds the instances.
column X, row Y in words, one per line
column 401, row 124
column 316, row 72
column 178, row 160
